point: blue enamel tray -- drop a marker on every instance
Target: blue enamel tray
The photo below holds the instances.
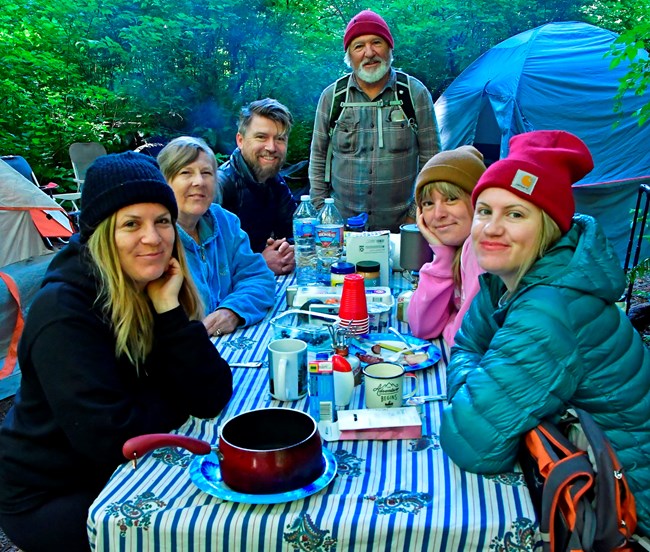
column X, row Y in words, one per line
column 363, row 343
column 206, row 475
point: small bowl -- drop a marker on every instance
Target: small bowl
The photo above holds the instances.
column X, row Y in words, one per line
column 305, row 326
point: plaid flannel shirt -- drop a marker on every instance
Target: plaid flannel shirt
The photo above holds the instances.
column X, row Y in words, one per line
column 366, row 175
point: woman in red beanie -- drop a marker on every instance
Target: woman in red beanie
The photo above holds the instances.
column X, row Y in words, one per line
column 544, row 332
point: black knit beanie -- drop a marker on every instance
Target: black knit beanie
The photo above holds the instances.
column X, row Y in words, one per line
column 117, row 180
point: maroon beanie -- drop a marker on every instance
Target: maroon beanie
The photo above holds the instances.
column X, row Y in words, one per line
column 367, row 22
column 540, row 167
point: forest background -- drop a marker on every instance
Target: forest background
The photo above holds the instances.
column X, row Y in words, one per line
column 121, row 72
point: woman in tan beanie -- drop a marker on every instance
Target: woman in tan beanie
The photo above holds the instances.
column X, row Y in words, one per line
column 444, row 216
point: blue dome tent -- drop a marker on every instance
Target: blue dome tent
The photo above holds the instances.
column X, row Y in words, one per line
column 556, row 77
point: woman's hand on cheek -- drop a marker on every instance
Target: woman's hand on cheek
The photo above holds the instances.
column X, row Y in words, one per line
column 164, row 291
column 424, row 229
column 221, row 322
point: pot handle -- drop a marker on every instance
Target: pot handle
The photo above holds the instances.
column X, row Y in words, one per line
column 135, row 447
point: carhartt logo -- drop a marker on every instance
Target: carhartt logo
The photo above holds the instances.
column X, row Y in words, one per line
column 524, row 182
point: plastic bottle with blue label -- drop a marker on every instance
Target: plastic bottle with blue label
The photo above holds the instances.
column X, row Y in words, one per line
column 304, row 233
column 329, row 240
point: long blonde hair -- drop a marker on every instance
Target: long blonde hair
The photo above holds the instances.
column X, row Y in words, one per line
column 548, row 235
column 130, row 311
column 448, row 191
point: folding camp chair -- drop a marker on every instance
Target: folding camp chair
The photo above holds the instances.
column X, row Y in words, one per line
column 637, row 235
column 82, row 154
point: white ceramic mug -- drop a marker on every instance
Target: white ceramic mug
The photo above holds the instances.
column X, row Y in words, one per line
column 384, row 385
column 288, row 376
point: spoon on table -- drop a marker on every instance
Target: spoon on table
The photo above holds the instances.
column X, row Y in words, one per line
column 400, row 336
column 410, row 347
column 251, row 364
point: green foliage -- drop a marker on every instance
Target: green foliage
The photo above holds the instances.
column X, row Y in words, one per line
column 631, row 21
column 632, row 47
column 118, row 71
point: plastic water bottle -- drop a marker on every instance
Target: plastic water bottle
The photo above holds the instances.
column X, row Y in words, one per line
column 304, row 232
column 329, row 240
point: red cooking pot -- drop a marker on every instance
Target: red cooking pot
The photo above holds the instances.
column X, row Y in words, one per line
column 265, row 451
column 270, row 450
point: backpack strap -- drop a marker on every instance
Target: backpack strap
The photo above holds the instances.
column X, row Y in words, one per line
column 403, row 93
column 642, row 542
column 613, row 530
column 12, row 351
column 340, row 96
column 341, row 91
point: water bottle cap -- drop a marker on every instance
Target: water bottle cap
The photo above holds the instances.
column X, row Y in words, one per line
column 340, row 364
column 358, row 220
column 329, row 200
column 304, row 198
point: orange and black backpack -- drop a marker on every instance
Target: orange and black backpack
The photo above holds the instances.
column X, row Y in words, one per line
column 578, row 487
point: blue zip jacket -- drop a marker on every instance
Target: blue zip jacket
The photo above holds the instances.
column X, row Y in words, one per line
column 225, row 270
column 560, row 340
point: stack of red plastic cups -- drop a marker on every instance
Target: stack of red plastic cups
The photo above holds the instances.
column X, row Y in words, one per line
column 353, row 311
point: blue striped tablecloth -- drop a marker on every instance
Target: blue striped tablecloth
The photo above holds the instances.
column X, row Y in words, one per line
column 387, row 495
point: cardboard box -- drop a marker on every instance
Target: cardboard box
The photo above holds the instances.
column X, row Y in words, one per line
column 371, row 246
column 375, row 424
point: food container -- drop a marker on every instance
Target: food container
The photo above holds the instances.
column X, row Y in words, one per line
column 270, row 450
column 310, row 327
column 338, row 272
column 370, row 272
column 378, row 317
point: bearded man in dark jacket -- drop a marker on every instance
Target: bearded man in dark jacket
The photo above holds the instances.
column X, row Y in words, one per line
column 252, row 187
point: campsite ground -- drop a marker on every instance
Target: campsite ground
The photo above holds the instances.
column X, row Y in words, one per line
column 641, row 295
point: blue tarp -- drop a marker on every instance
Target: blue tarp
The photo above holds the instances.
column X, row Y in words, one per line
column 556, row 77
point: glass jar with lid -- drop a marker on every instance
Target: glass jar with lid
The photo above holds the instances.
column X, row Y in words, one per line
column 370, row 272
column 338, row 271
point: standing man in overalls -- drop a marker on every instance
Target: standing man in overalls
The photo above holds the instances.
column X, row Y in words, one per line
column 374, row 129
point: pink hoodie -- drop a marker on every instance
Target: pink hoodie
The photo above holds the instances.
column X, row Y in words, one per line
column 436, row 306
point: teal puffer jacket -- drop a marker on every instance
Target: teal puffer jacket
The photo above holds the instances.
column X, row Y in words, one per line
column 559, row 340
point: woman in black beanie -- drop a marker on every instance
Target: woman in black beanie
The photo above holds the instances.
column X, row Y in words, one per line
column 113, row 347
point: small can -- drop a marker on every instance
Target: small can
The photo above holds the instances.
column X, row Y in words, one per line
column 403, row 300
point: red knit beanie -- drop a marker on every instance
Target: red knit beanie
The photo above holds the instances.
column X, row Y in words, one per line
column 540, row 167
column 367, row 22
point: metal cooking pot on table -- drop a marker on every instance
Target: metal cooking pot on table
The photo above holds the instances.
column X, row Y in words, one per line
column 264, row 451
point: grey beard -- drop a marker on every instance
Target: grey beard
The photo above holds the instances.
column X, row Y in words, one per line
column 374, row 76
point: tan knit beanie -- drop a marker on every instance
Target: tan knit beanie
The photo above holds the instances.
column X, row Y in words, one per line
column 462, row 166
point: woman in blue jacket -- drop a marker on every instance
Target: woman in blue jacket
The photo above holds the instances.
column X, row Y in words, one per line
column 544, row 332
column 235, row 284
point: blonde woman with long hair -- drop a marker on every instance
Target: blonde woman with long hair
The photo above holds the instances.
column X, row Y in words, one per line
column 544, row 332
column 444, row 216
column 113, row 347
